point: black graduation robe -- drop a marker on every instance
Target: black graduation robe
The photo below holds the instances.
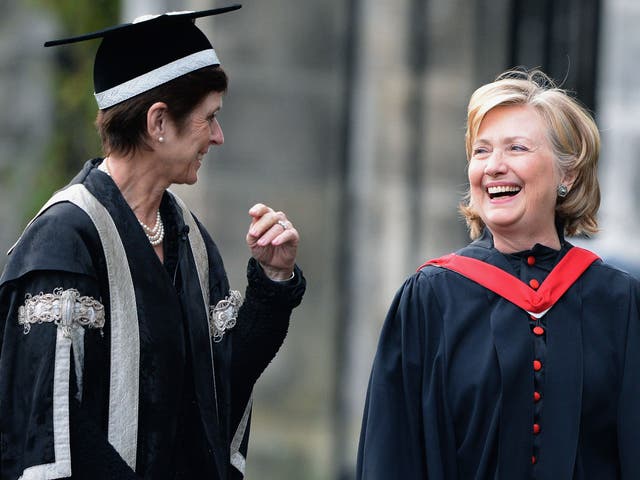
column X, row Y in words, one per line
column 466, row 385
column 186, row 415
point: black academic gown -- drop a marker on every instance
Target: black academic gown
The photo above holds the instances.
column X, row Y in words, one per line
column 456, row 390
column 187, row 414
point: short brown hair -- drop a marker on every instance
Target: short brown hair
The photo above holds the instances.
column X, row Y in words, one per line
column 572, row 133
column 122, row 128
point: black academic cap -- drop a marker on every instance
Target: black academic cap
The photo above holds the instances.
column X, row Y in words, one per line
column 154, row 49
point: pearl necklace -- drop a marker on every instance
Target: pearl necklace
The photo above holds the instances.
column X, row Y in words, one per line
column 155, row 234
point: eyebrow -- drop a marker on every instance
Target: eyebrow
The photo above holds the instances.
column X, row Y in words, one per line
column 505, row 140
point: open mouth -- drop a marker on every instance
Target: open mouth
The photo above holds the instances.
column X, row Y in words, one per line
column 503, row 191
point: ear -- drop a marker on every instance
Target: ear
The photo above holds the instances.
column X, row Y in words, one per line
column 569, row 178
column 157, row 120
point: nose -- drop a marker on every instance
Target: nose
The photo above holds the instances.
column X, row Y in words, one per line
column 495, row 164
column 217, row 137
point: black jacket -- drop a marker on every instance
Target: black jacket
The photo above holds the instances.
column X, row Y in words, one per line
column 454, row 391
column 186, row 415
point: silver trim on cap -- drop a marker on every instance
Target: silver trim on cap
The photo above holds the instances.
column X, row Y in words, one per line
column 156, row 77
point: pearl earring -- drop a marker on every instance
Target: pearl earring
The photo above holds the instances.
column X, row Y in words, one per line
column 562, row 190
column 161, row 139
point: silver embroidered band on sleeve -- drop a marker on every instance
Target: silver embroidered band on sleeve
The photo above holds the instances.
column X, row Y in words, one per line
column 66, row 308
column 223, row 316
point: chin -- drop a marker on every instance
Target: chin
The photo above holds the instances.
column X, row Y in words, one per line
column 499, row 221
column 190, row 177
column 188, row 180
column 501, row 214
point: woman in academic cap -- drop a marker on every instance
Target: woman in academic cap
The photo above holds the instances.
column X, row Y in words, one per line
column 125, row 354
column 518, row 356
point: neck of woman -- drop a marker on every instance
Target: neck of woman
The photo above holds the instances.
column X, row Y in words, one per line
column 508, row 242
column 140, row 183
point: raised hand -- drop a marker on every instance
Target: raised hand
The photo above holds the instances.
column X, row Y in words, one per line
column 273, row 241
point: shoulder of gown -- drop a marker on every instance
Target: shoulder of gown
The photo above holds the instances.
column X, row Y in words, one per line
column 62, row 238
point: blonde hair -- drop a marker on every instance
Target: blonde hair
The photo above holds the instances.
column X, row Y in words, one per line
column 572, row 133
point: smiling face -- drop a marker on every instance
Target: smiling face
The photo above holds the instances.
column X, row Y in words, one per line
column 513, row 178
column 185, row 148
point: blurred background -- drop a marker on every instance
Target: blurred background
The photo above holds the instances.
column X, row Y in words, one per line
column 349, row 115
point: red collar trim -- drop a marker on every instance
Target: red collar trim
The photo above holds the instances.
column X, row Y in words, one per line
column 536, row 302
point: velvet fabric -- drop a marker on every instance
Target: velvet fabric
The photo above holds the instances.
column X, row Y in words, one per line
column 192, row 391
column 451, row 393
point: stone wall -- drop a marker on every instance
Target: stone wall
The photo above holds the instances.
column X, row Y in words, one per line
column 350, row 117
column 25, row 116
column 281, row 120
column 618, row 113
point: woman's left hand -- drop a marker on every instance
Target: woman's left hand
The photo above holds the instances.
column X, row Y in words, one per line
column 273, row 241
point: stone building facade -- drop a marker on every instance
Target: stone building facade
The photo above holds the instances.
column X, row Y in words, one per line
column 349, row 115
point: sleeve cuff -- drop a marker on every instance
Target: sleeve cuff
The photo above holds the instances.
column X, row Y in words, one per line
column 287, row 292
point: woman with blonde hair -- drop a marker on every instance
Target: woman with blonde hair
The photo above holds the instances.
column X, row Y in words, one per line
column 519, row 355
